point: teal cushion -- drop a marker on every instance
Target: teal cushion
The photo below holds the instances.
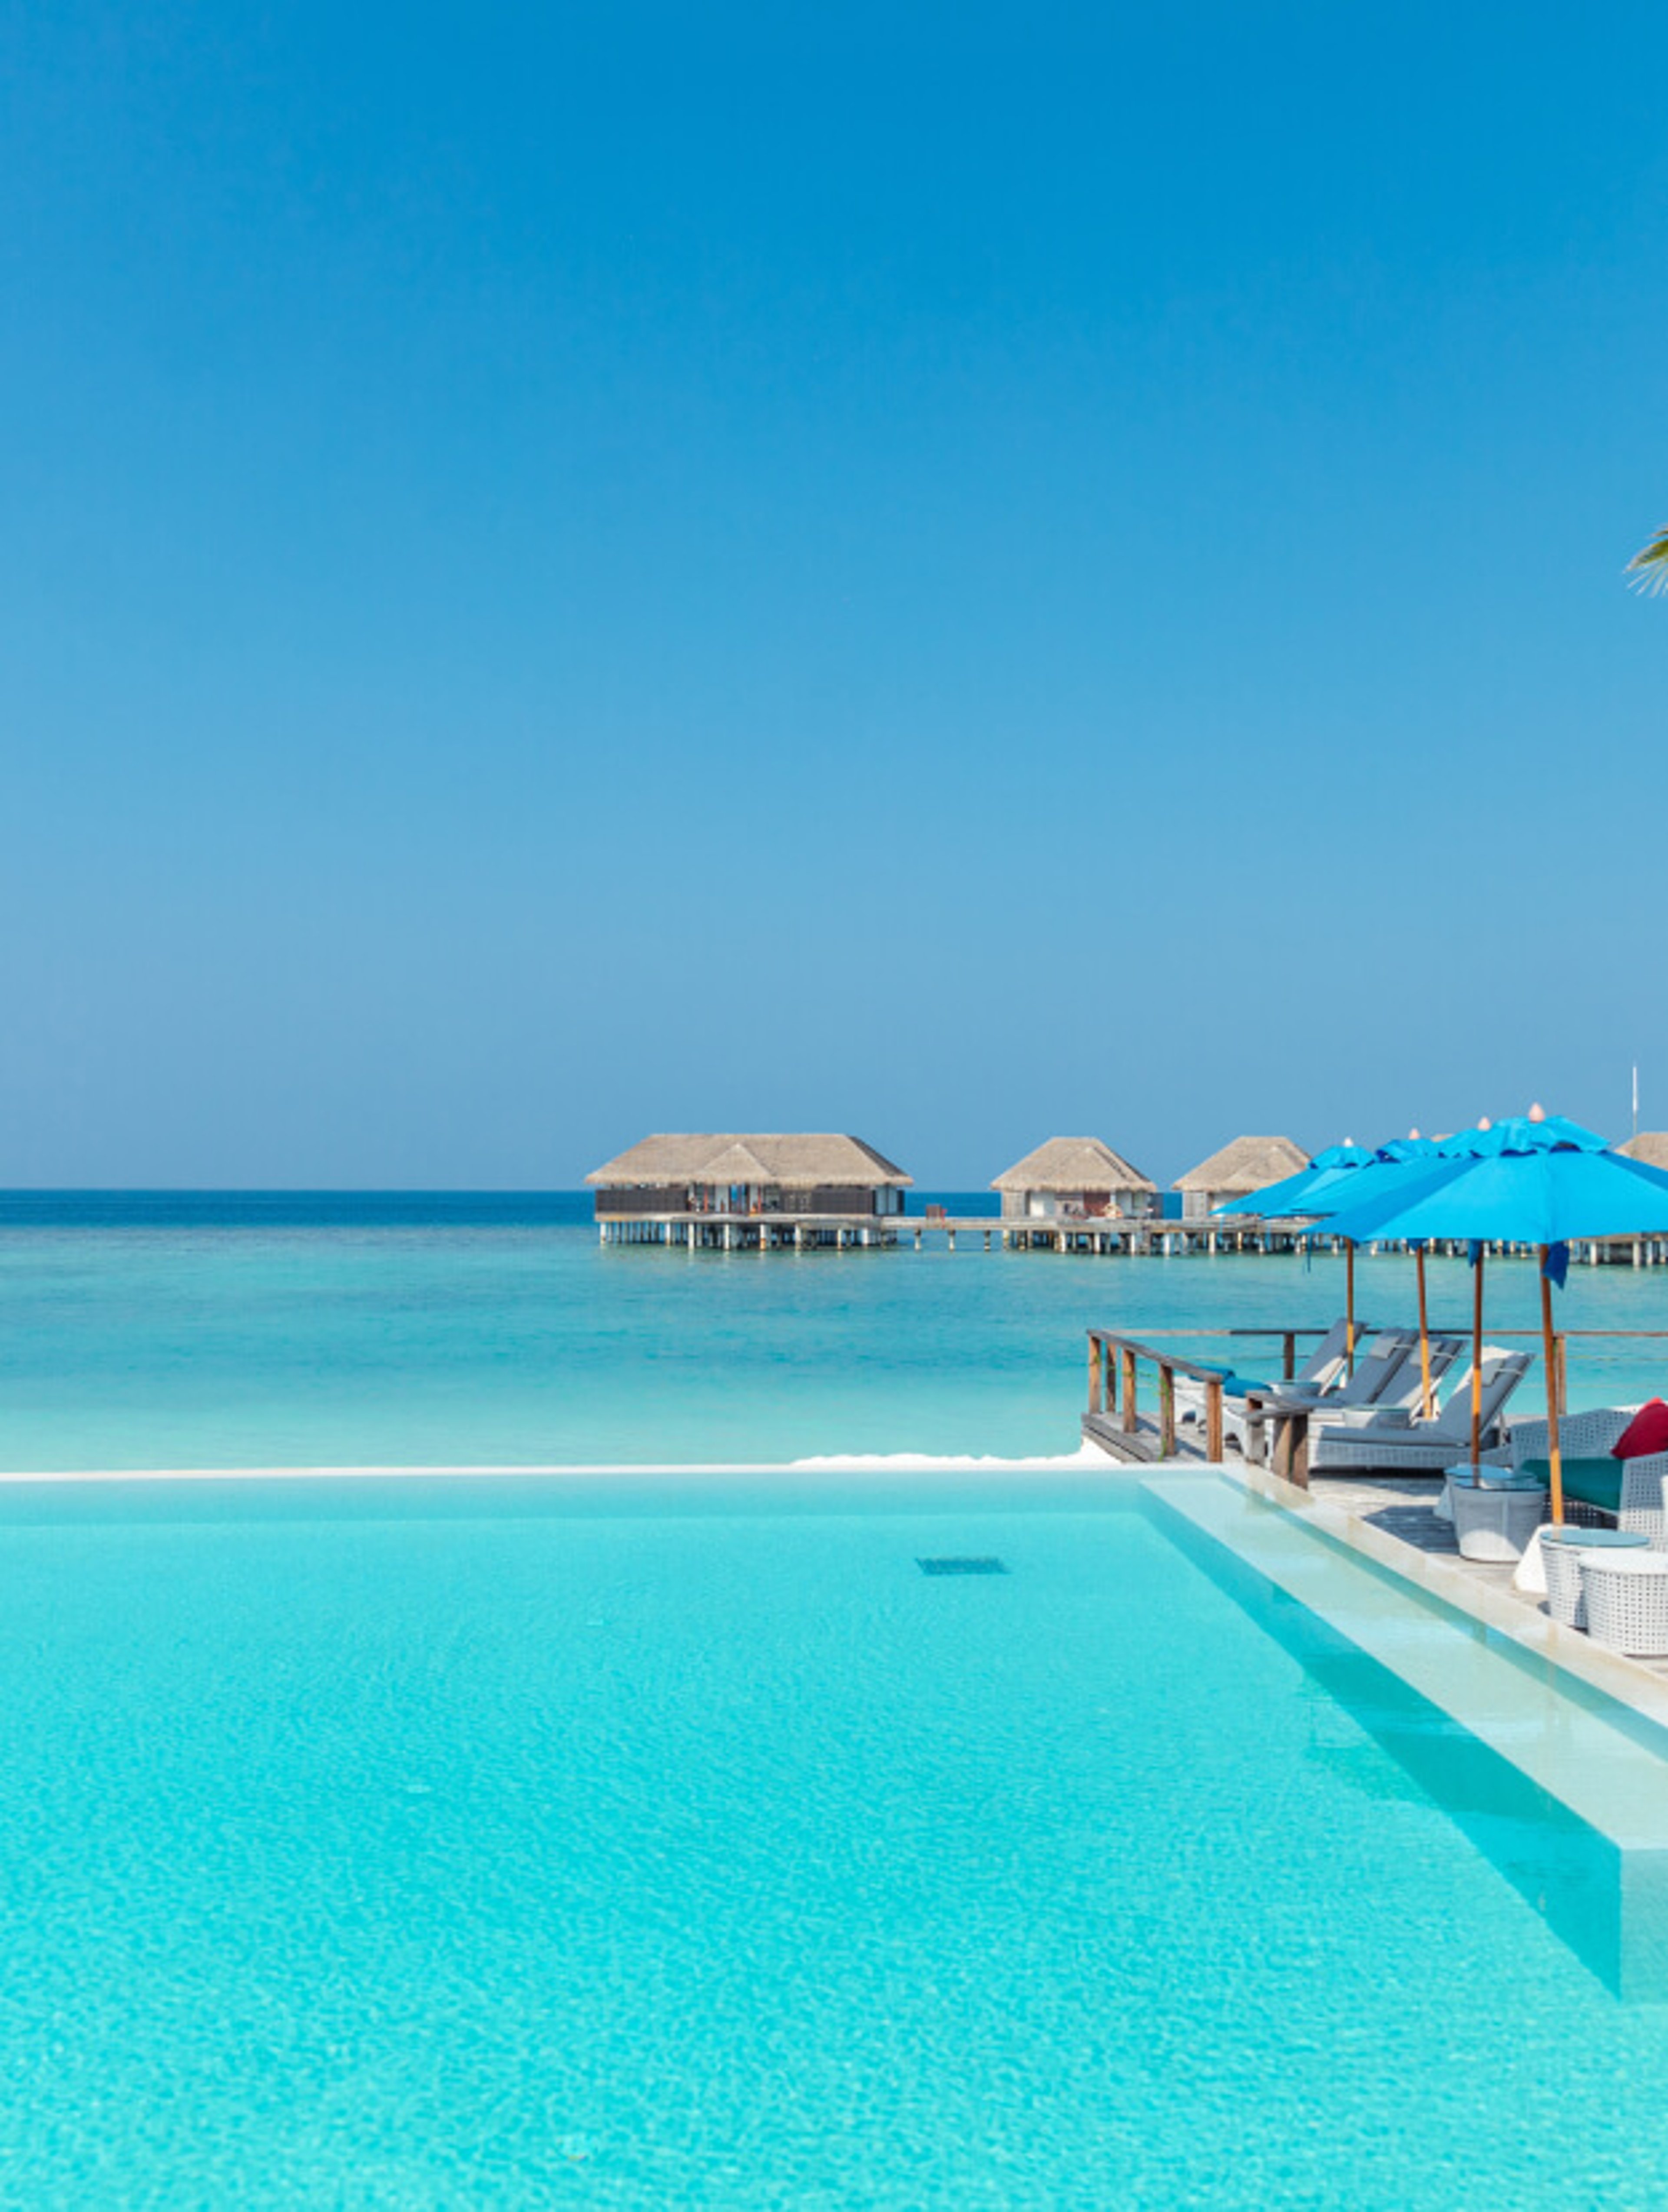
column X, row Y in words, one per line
column 1592, row 1481
column 1240, row 1386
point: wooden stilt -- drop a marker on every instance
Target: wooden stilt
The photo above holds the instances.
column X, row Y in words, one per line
column 1213, row 1419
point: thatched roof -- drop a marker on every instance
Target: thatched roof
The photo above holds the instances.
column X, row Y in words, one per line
column 793, row 1162
column 1248, row 1163
column 1069, row 1163
column 1649, row 1147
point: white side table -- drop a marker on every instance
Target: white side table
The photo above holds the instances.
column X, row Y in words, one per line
column 1626, row 1596
column 1494, row 1513
column 1562, row 1551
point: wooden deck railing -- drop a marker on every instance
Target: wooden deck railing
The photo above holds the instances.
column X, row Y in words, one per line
column 1114, row 1368
column 1115, row 1361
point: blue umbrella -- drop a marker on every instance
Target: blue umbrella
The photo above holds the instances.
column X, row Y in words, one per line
column 1302, row 1194
column 1395, row 1169
column 1536, row 1180
column 1276, row 1201
column 1405, row 1168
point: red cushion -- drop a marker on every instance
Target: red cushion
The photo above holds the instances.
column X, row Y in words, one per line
column 1647, row 1432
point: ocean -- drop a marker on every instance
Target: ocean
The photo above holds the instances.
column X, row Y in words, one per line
column 304, row 1329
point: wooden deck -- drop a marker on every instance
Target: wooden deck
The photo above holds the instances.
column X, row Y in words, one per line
column 1144, row 1444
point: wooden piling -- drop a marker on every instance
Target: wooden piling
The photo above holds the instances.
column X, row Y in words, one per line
column 1166, row 1410
column 1213, row 1419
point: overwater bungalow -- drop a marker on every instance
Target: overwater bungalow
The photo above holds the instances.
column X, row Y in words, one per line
column 1649, row 1147
column 753, row 1190
column 1077, row 1179
column 1248, row 1164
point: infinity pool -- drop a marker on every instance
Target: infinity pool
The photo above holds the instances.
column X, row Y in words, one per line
column 682, row 1843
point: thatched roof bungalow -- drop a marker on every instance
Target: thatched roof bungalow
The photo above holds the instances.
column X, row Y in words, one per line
column 750, row 1175
column 1073, row 1178
column 1649, row 1148
column 1248, row 1164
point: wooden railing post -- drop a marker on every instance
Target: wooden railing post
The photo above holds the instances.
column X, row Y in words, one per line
column 1288, row 1355
column 1097, row 1374
column 1166, row 1410
column 1213, row 1419
column 1128, row 1362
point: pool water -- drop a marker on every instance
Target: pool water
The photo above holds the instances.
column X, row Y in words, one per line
column 646, row 1843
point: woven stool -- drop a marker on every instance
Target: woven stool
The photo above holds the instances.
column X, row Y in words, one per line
column 1626, row 1595
column 1495, row 1512
column 1561, row 1555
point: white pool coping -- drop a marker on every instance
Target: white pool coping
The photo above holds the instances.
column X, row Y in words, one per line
column 1608, row 1774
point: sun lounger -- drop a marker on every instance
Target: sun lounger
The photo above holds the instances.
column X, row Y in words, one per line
column 1376, row 1368
column 1323, row 1366
column 1393, row 1441
column 1381, row 1366
column 1629, row 1491
column 1404, row 1394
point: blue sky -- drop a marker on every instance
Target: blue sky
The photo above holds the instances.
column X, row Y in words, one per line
column 954, row 572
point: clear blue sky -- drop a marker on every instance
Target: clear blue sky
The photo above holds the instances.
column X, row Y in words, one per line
column 953, row 573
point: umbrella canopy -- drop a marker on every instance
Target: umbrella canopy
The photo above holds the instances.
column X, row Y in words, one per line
column 1334, row 1179
column 1395, row 1168
column 1539, row 1180
column 1277, row 1201
column 1523, row 1192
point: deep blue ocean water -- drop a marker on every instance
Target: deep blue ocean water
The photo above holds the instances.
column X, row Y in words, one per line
column 146, row 1331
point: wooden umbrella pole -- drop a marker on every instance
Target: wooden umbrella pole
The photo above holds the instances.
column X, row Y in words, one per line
column 1550, row 1352
column 1424, row 1330
column 1477, row 1360
column 1349, row 1305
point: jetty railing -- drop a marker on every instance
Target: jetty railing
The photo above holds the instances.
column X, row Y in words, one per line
column 1114, row 1359
column 1115, row 1362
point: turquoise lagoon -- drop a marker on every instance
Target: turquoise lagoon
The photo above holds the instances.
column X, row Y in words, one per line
column 180, row 1332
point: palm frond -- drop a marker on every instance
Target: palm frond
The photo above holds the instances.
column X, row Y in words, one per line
column 1648, row 570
